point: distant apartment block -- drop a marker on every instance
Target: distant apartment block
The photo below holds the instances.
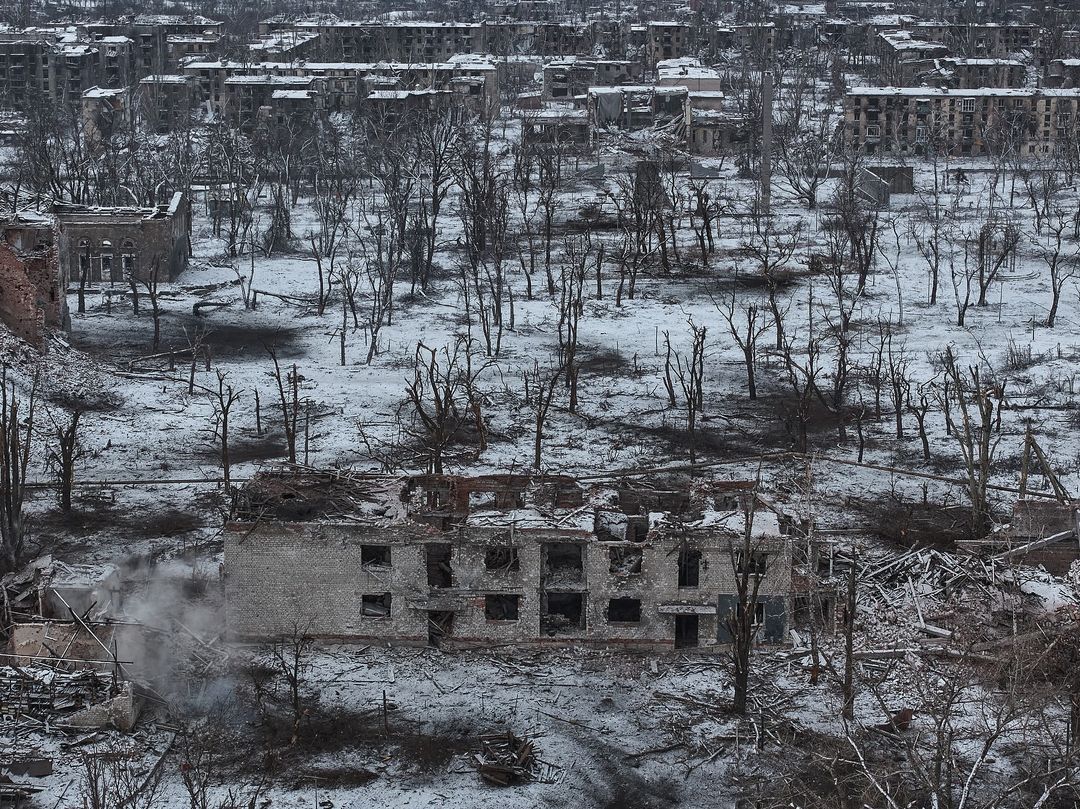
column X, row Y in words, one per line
column 972, row 122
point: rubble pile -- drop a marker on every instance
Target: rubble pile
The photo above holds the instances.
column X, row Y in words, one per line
column 506, row 759
column 41, row 693
column 923, row 600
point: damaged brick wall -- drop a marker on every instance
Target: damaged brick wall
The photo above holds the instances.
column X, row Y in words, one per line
column 31, row 293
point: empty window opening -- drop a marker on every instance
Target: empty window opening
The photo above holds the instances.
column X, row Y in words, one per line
column 501, row 607
column 509, row 499
column 440, row 625
column 375, row 605
column 375, row 555
column 624, row 561
column 502, row 560
column 481, row 501
column 817, row 610
column 689, row 567
column 563, row 562
column 636, row 529
column 624, row 611
column 686, row 631
column 438, row 498
column 439, row 571
column 563, row 612
column 758, row 561
column 759, row 612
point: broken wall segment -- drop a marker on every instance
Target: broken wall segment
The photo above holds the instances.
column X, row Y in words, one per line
column 32, row 288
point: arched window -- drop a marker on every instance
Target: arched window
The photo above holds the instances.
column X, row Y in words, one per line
column 127, row 258
column 84, row 259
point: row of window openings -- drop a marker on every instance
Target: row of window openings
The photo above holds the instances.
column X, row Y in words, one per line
column 507, row 607
column 562, row 560
column 102, row 268
column 921, row 135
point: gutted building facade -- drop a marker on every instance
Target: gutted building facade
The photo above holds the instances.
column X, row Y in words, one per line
column 971, row 122
column 501, row 559
column 116, row 245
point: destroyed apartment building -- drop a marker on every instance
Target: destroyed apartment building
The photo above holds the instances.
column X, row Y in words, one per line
column 472, row 561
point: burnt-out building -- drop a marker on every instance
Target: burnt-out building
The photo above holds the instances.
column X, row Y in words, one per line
column 31, row 283
column 114, row 245
column 501, row 559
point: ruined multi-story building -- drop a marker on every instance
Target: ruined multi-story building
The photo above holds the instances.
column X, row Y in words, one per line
column 32, row 285
column 238, row 89
column 565, row 79
column 903, row 56
column 960, row 122
column 116, row 245
column 161, row 41
column 166, row 102
column 980, row 40
column 632, row 106
column 963, row 74
column 502, row 559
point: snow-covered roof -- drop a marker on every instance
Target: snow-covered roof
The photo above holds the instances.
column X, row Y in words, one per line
column 165, row 78
column 975, row 92
column 103, row 92
column 621, row 89
column 293, row 94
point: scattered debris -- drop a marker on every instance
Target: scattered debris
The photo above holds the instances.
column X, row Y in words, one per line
column 505, row 759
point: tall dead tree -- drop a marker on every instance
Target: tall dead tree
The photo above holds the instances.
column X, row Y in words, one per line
column 689, row 371
column 63, row 456
column 539, row 393
column 289, row 401
column 974, row 399
column 742, row 622
column 769, row 250
column 745, row 331
column 1060, row 257
column 444, row 399
column 16, row 433
column 290, row 656
column 571, row 307
column 222, row 399
column 997, row 244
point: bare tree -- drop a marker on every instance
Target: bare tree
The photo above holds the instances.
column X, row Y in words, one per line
column 150, row 284
column 67, row 451
column 997, row 244
column 974, row 399
column 222, row 399
column 742, row 621
column 689, row 371
column 963, row 281
column 805, row 149
column 16, row 437
column 1060, row 257
column 933, row 234
column 443, row 398
column 745, row 332
column 290, row 655
column 769, row 250
column 289, row 401
column 571, row 307
column 539, row 392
